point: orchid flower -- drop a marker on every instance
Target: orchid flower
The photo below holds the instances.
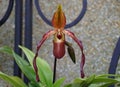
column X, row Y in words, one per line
column 59, row 42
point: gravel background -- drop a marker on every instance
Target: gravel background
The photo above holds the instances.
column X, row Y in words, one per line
column 99, row 31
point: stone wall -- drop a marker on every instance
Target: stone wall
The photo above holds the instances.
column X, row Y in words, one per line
column 99, row 31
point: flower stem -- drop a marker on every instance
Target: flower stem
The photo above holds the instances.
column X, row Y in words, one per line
column 54, row 73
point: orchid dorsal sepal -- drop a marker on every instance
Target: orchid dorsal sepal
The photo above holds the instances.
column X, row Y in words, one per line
column 59, row 19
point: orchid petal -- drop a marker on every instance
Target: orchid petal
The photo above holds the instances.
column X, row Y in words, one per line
column 81, row 47
column 45, row 36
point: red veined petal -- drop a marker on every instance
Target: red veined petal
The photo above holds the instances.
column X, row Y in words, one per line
column 45, row 36
column 81, row 47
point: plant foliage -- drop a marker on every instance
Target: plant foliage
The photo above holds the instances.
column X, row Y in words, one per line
column 46, row 74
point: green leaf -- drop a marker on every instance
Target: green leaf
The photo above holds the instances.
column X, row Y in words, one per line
column 78, row 82
column 88, row 81
column 83, row 82
column 59, row 82
column 106, row 81
column 107, row 84
column 94, row 85
column 68, row 85
column 71, row 51
column 22, row 63
column 6, row 49
column 75, row 85
column 15, row 81
column 108, row 75
column 33, row 84
column 25, row 67
column 94, row 81
column 118, row 79
column 103, row 79
column 44, row 70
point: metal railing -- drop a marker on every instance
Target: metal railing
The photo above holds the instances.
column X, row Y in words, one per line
column 28, row 30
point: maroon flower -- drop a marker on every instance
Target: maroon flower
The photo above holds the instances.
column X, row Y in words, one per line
column 59, row 42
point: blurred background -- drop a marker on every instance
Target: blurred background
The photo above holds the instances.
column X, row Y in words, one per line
column 99, row 31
